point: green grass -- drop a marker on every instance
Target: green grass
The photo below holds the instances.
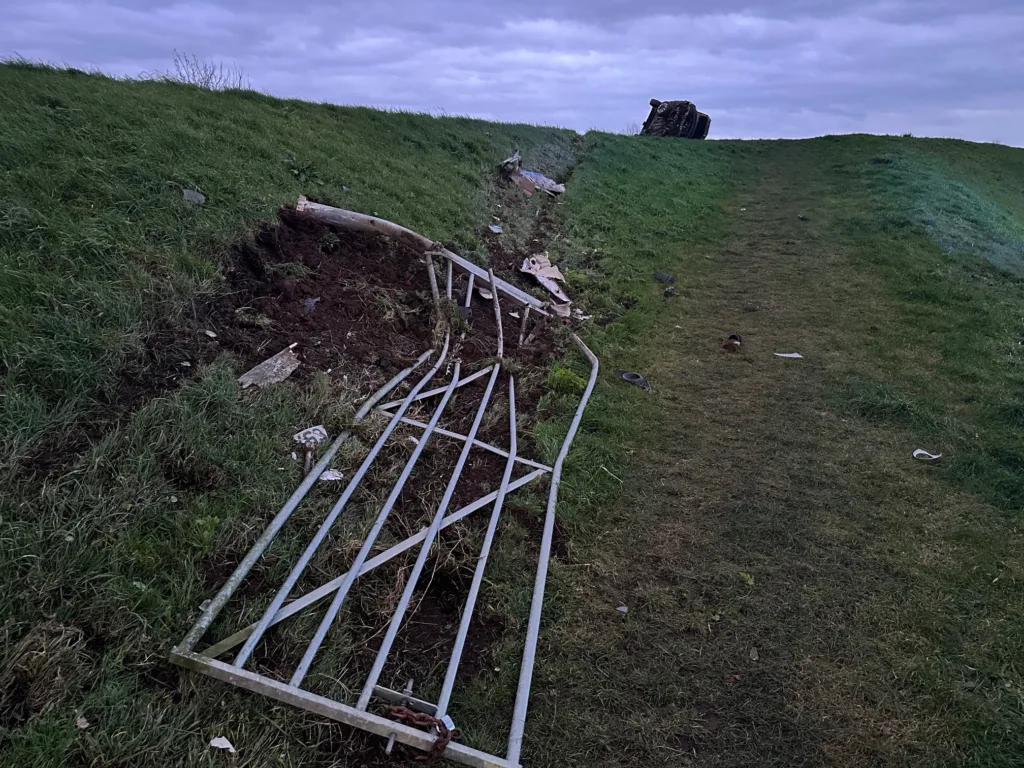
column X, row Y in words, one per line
column 771, row 508
column 98, row 247
column 800, row 591
column 97, row 242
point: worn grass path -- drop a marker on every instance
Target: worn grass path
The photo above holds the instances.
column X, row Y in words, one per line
column 799, row 591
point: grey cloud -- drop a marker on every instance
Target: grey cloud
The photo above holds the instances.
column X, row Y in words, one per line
column 760, row 67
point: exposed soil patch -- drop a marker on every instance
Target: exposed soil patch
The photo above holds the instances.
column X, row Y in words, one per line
column 348, row 299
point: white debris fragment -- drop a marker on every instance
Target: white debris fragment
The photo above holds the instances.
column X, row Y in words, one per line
column 211, row 334
column 311, row 436
column 82, row 723
column 922, row 455
column 222, row 743
column 332, row 474
column 272, row 370
column 540, row 266
column 790, row 355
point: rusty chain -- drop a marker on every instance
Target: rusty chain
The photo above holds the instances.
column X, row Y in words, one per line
column 423, row 720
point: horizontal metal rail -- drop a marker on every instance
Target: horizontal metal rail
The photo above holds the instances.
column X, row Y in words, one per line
column 477, row 443
column 334, row 710
column 438, row 390
column 224, row 594
column 326, row 589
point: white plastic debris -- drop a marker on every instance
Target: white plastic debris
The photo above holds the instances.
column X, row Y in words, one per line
column 485, row 294
column 311, row 435
column 562, row 310
column 540, row 266
column 222, row 743
column 194, row 196
column 922, row 455
column 790, row 355
column 622, row 609
column 331, row 474
column 211, row 334
column 514, row 314
column 272, row 370
column 495, row 228
column 82, row 723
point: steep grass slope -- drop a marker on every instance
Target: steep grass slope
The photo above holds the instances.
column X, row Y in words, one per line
column 799, row 590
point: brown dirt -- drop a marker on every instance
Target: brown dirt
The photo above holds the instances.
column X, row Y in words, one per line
column 372, row 308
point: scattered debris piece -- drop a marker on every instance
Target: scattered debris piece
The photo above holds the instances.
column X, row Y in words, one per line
column 577, row 314
column 528, row 181
column 790, row 355
column 310, row 304
column 634, row 378
column 562, row 310
column 733, row 343
column 222, row 743
column 679, row 119
column 922, row 455
column 485, row 294
column 185, row 364
column 194, row 196
column 542, row 182
column 272, row 370
column 514, row 314
column 311, row 436
column 754, row 655
column 82, row 723
column 211, row 334
column 413, row 440
column 495, row 228
column 540, row 266
column 173, row 499
column 332, row 474
column 295, row 456
column 664, row 277
column 622, row 609
column 669, row 291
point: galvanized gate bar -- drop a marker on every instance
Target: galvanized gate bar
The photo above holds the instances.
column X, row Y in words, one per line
column 320, row 705
column 515, row 738
column 478, row 443
column 275, row 525
column 438, row 390
column 325, row 589
column 371, row 537
column 325, row 526
column 481, row 564
column 435, row 526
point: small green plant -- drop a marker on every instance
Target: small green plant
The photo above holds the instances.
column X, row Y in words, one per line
column 329, row 242
column 566, row 382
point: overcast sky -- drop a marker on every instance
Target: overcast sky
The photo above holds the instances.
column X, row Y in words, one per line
column 760, row 68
